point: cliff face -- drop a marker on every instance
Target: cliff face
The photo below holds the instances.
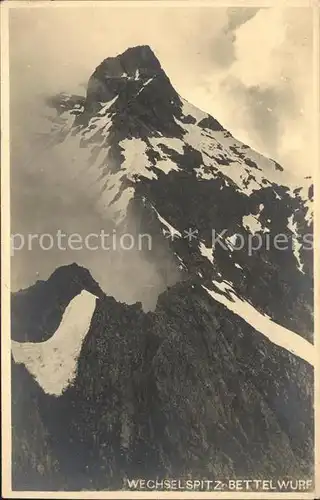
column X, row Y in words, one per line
column 217, row 380
column 37, row 312
column 155, row 159
column 187, row 390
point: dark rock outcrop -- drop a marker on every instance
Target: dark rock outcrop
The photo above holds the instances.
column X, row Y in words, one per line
column 190, row 388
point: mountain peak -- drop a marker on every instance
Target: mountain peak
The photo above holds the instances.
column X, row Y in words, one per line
column 135, row 65
column 140, row 58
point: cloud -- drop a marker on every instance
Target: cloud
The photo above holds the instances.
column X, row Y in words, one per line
column 223, row 43
column 266, row 90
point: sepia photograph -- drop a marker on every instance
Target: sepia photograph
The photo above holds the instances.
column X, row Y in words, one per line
column 158, row 170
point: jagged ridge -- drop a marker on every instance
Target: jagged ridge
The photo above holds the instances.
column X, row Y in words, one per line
column 188, row 389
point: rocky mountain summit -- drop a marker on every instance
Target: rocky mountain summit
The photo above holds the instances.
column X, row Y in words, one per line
column 217, row 380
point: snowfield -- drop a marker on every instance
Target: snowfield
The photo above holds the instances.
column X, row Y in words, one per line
column 277, row 334
column 53, row 362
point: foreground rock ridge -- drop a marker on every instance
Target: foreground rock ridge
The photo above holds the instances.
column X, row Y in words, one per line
column 194, row 388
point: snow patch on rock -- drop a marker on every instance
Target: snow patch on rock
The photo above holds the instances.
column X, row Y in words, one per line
column 206, row 252
column 277, row 334
column 53, row 362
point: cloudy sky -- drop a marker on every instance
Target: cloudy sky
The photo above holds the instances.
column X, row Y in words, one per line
column 250, row 68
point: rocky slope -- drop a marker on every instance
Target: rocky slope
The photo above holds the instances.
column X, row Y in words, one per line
column 189, row 390
column 194, row 388
column 155, row 158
